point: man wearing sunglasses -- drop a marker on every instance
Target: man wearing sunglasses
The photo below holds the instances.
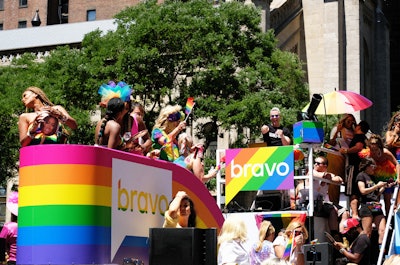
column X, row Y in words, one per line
column 323, row 207
column 275, row 134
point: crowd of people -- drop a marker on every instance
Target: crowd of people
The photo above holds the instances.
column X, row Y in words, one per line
column 285, row 248
column 366, row 163
column 122, row 128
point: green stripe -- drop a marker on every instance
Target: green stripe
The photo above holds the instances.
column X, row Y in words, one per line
column 311, row 125
column 64, row 215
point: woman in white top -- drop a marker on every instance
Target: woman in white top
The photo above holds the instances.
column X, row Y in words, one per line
column 231, row 242
column 263, row 248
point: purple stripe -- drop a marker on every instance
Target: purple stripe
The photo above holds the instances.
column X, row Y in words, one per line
column 65, row 254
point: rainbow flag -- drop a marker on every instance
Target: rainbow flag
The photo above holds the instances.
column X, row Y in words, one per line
column 189, row 106
column 289, row 248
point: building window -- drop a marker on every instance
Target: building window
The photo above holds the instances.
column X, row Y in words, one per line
column 1, row 26
column 23, row 3
column 1, row 4
column 22, row 24
column 91, row 15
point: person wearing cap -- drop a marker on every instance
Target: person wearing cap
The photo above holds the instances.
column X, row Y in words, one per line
column 10, row 230
column 359, row 250
column 357, row 144
column 275, row 134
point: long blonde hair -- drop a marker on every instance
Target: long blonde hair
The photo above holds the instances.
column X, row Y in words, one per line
column 162, row 121
column 266, row 229
column 294, row 225
column 233, row 228
column 42, row 96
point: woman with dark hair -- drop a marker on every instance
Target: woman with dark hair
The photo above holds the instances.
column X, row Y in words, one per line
column 370, row 209
column 181, row 212
column 108, row 129
column 357, row 144
column 43, row 131
column 387, row 167
column 340, row 137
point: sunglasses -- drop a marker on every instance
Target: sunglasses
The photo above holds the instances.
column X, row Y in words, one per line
column 297, row 233
column 174, row 116
column 319, row 163
column 274, row 116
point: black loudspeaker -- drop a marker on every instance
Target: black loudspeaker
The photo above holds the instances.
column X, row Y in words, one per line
column 183, row 246
column 321, row 253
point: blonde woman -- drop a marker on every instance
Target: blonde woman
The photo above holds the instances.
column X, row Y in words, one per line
column 167, row 127
column 299, row 234
column 263, row 249
column 35, row 99
column 231, row 249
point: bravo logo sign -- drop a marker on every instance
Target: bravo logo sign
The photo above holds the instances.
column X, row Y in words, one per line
column 251, row 169
column 259, row 170
column 139, row 201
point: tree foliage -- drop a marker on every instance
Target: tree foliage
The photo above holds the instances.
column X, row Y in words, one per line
column 167, row 52
column 216, row 54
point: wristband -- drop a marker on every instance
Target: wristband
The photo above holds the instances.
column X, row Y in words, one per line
column 342, row 250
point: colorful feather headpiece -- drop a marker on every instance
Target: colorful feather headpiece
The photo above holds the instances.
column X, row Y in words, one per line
column 111, row 90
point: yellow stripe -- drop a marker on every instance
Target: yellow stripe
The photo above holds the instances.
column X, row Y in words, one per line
column 200, row 223
column 65, row 195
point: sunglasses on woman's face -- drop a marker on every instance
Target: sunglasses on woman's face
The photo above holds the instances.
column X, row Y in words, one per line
column 174, row 116
column 297, row 233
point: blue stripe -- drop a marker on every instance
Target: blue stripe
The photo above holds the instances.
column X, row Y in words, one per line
column 64, row 235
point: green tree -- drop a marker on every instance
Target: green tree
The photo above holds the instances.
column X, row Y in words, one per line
column 218, row 55
column 168, row 52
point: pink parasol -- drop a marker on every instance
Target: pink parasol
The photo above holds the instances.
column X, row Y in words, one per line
column 340, row 102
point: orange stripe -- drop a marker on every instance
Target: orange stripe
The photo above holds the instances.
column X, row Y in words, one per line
column 65, row 174
column 245, row 155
